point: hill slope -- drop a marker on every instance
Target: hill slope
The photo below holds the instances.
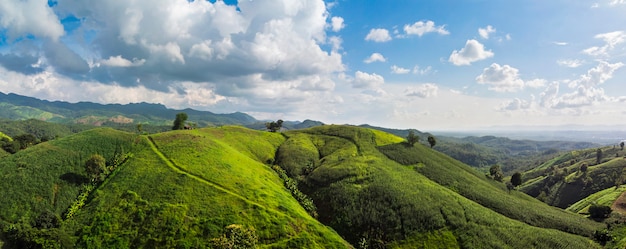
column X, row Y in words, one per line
column 198, row 188
column 433, row 200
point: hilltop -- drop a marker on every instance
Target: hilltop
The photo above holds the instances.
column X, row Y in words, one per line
column 191, row 188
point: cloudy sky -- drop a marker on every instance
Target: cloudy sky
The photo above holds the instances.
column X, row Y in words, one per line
column 430, row 65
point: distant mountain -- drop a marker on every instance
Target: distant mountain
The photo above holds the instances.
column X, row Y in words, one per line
column 17, row 107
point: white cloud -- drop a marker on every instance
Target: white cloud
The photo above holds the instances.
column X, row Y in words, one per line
column 616, row 2
column 423, row 91
column 515, row 104
column 473, row 51
column 570, row 63
column 399, row 70
column 422, row 71
column 365, row 80
column 611, row 39
column 336, row 42
column 536, row 83
column 118, row 61
column 374, row 58
column 420, row 28
column 501, row 78
column 587, row 89
column 378, row 35
column 336, row 23
column 484, row 32
column 558, row 43
column 30, row 17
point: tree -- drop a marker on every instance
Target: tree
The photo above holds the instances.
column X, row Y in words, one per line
column 179, row 122
column 621, row 145
column 599, row 212
column 583, row 168
column 274, row 126
column 598, row 156
column 411, row 139
column 432, row 141
column 96, row 167
column 516, row 179
column 139, row 127
column 496, row 172
column 25, row 140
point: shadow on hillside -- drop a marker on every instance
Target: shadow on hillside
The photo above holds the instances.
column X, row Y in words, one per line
column 74, row 178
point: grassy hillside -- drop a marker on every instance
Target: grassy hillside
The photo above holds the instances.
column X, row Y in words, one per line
column 571, row 177
column 417, row 196
column 213, row 187
column 179, row 189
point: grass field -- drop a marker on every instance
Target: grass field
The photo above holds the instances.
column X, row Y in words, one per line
column 185, row 189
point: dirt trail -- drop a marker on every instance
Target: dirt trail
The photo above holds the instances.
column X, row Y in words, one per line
column 620, row 204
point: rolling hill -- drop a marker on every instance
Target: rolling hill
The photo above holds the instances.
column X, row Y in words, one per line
column 213, row 186
column 17, row 107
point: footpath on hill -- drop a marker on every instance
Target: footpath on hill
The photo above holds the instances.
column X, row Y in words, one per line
column 180, row 170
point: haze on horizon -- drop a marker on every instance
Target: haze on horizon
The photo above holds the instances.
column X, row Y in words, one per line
column 429, row 65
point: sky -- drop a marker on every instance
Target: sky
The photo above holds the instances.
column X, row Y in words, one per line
column 428, row 65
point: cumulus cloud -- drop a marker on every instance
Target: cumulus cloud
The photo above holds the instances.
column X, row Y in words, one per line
column 365, row 80
column 611, row 39
column 118, row 61
column 422, row 71
column 374, row 58
column 420, row 28
column 485, row 32
column 336, row 23
column 399, row 70
column 423, row 91
column 501, row 78
column 378, row 35
column 536, row 83
column 570, row 63
column 472, row 52
column 515, row 104
column 587, row 90
column 30, row 17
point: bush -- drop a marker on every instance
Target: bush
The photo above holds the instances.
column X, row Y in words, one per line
column 599, row 212
column 237, row 236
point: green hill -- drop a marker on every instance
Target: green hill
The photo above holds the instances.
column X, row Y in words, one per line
column 214, row 186
column 416, row 196
column 563, row 180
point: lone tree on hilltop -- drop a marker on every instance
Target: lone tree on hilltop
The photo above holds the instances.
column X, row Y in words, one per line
column 274, row 126
column 583, row 168
column 621, row 145
column 179, row 122
column 432, row 141
column 516, row 179
column 598, row 156
column 496, row 172
column 96, row 167
column 411, row 139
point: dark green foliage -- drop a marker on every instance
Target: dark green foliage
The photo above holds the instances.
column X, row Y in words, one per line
column 583, row 168
column 96, row 167
column 292, row 186
column 516, row 179
column 274, row 126
column 599, row 211
column 599, row 156
column 411, row 139
column 602, row 236
column 46, row 220
column 179, row 122
column 496, row 172
column 237, row 237
column 432, row 141
column 621, row 145
column 25, row 140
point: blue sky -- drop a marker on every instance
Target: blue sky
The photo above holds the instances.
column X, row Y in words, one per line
column 429, row 65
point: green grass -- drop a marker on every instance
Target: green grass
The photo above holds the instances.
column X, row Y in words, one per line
column 367, row 197
column 183, row 188
column 603, row 198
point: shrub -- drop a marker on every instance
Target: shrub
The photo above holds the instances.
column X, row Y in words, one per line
column 599, row 212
